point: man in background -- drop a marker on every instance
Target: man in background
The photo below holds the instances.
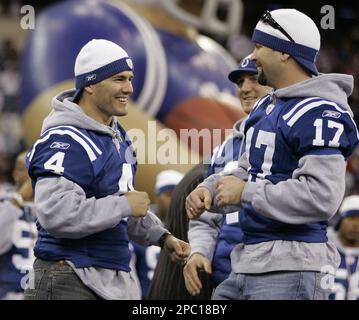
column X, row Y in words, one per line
column 146, row 258
column 17, row 234
column 346, row 239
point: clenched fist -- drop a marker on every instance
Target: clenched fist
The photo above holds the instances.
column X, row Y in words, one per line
column 139, row 202
column 197, row 202
column 177, row 249
column 229, row 191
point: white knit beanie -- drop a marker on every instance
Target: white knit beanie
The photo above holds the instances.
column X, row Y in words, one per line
column 300, row 28
column 349, row 207
column 167, row 180
column 99, row 59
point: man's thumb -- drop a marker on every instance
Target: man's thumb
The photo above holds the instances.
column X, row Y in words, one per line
column 207, row 199
column 207, row 267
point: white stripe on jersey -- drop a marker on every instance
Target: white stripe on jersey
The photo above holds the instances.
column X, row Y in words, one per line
column 290, row 113
column 341, row 274
column 230, row 166
column 311, row 106
column 259, row 102
column 79, row 132
column 316, row 104
column 308, row 107
column 73, row 135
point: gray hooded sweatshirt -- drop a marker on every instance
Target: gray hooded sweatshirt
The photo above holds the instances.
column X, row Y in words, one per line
column 310, row 183
column 79, row 215
column 204, row 231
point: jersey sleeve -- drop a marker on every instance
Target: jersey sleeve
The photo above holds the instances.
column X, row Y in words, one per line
column 226, row 156
column 323, row 130
column 62, row 155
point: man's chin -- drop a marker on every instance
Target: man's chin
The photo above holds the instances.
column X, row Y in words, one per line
column 122, row 113
column 247, row 107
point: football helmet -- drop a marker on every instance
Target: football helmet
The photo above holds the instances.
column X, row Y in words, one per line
column 207, row 20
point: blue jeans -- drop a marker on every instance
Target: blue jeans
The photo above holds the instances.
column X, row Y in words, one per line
column 56, row 280
column 279, row 285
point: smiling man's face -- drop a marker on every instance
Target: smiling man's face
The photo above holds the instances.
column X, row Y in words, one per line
column 249, row 90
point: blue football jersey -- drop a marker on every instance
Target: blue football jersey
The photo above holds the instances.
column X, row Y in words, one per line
column 17, row 262
column 226, row 158
column 278, row 133
column 78, row 155
column 101, row 165
column 346, row 285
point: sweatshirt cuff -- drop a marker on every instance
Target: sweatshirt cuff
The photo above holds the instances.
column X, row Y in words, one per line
column 248, row 192
column 13, row 210
column 154, row 234
column 125, row 207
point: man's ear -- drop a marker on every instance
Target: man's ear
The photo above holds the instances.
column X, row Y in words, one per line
column 284, row 57
column 89, row 89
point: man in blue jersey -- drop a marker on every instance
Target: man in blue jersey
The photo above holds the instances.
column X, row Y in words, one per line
column 213, row 236
column 17, row 234
column 82, row 168
column 346, row 239
column 291, row 177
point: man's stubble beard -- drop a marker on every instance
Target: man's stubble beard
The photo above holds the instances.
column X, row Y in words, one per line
column 262, row 79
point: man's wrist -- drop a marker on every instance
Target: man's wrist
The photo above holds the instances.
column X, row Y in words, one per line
column 17, row 200
column 162, row 239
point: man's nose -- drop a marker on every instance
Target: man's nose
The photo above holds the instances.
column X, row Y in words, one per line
column 246, row 85
column 254, row 55
column 128, row 88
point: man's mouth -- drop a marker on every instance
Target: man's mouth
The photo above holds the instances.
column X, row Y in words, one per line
column 123, row 99
column 249, row 98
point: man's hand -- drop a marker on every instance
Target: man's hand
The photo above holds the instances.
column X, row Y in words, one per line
column 24, row 193
column 195, row 263
column 229, row 191
column 139, row 202
column 26, row 190
column 177, row 249
column 197, row 202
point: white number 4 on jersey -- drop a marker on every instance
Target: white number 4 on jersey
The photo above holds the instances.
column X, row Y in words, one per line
column 55, row 163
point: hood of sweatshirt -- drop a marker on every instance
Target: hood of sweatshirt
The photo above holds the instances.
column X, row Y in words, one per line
column 334, row 87
column 65, row 112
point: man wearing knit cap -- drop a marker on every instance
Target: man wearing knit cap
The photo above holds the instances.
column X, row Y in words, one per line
column 346, row 240
column 146, row 258
column 213, row 236
column 291, row 178
column 83, row 168
column 166, row 181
